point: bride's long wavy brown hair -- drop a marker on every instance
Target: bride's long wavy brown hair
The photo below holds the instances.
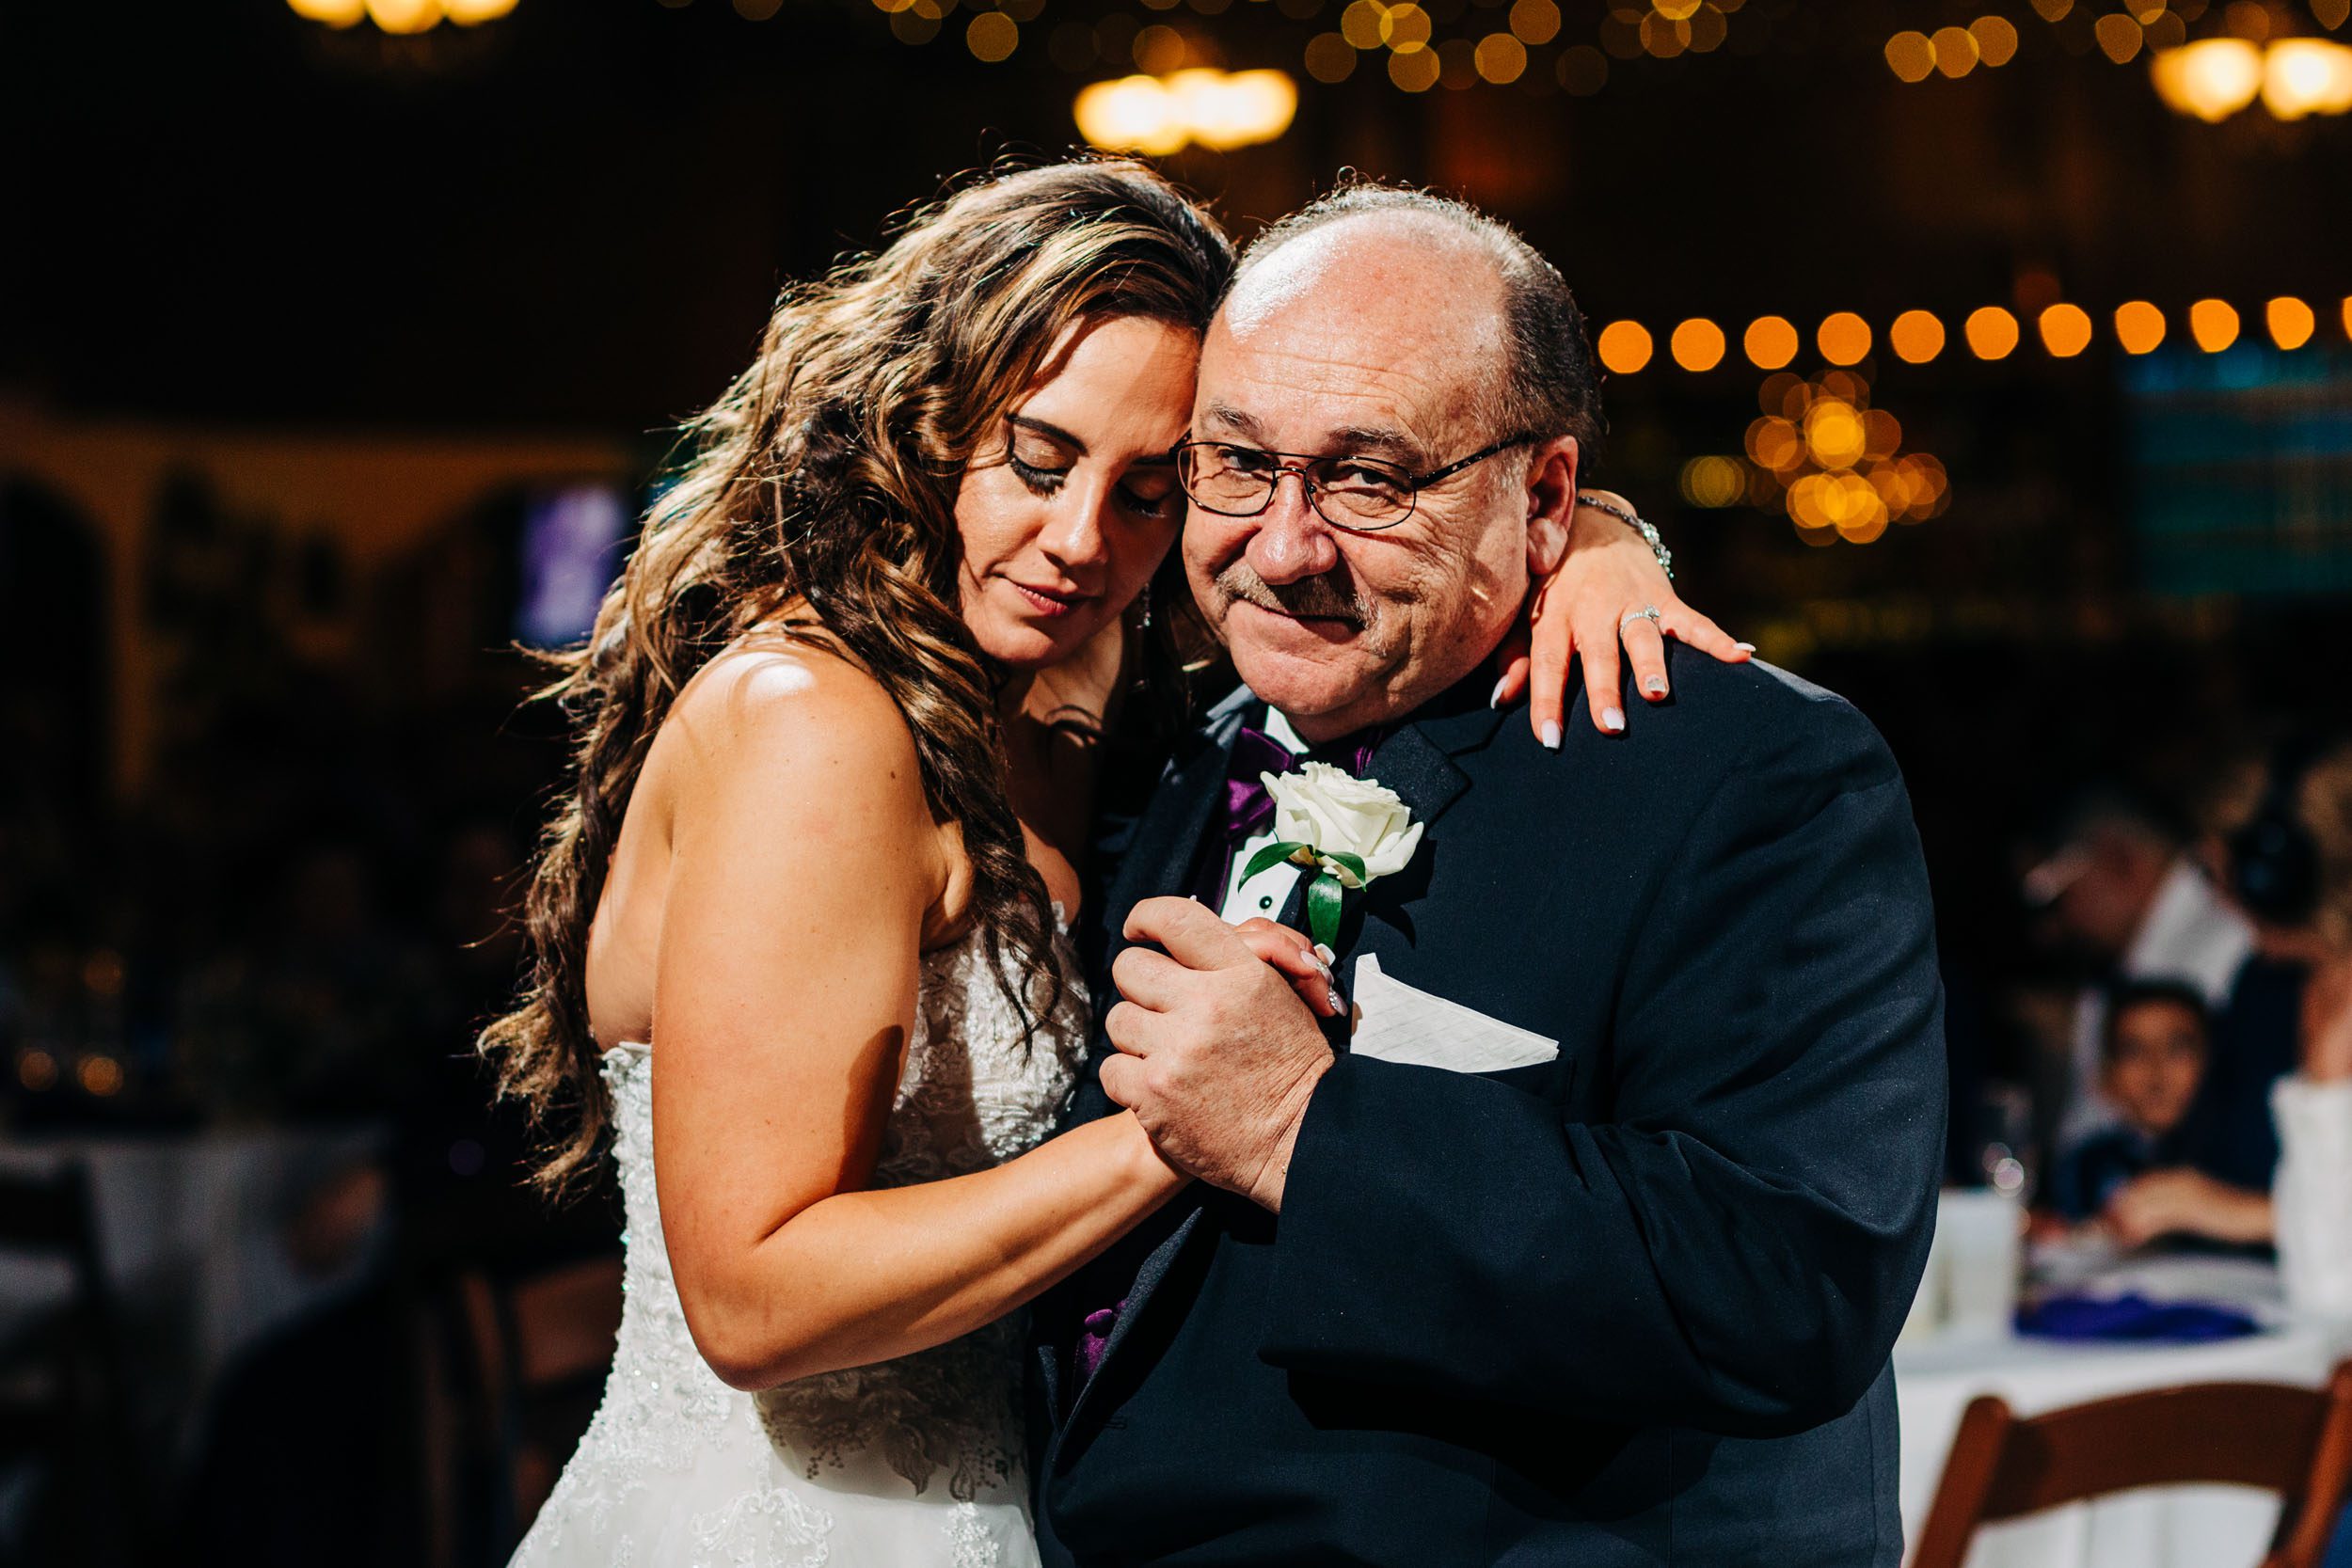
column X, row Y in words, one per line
column 826, row 477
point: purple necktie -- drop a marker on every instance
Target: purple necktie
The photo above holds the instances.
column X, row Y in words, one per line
column 1248, row 807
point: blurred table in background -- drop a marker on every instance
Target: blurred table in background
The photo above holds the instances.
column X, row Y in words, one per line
column 2187, row 1527
column 201, row 1237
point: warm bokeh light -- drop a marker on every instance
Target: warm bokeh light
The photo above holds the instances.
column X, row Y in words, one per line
column 1536, row 21
column 1501, row 58
column 465, row 13
column 1834, row 434
column 2289, row 321
column 2307, row 76
column 37, row 1070
column 1770, row 342
column 1774, row 442
column 1697, row 344
column 1623, row 347
column 2214, row 324
column 1991, row 331
column 2139, row 326
column 1713, row 482
column 1997, row 39
column 1415, row 69
column 1843, row 338
column 100, row 1076
column 1955, row 51
column 1329, row 57
column 1407, row 27
column 2065, row 330
column 992, row 35
column 2119, row 37
column 1212, row 108
column 405, row 16
column 1911, row 56
column 1882, row 433
column 1917, row 337
column 335, row 13
column 1365, row 23
column 2212, row 79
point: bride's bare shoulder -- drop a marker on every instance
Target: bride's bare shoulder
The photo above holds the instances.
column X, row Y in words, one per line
column 781, row 710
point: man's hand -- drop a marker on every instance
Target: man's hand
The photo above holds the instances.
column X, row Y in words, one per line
column 2186, row 1202
column 1217, row 1054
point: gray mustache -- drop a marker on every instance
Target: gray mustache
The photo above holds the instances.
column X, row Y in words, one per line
column 1322, row 597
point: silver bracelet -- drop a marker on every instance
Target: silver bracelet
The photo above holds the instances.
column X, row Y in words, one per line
column 1649, row 535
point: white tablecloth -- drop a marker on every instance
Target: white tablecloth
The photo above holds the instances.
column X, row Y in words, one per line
column 2189, row 1527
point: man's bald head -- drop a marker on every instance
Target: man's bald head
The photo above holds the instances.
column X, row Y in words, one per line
column 1438, row 250
column 1390, row 344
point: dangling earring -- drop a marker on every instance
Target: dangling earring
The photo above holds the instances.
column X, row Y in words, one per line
column 1145, row 625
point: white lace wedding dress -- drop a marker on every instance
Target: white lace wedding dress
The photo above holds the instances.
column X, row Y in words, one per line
column 908, row 1464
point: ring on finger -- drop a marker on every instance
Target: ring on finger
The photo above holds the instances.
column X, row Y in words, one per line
column 1648, row 612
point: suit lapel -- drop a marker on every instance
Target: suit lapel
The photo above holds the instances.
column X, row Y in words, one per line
column 1417, row 761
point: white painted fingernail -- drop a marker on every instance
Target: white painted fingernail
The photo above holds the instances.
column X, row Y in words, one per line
column 1655, row 686
column 1613, row 720
column 1552, row 735
column 1324, row 952
column 1746, row 647
column 1336, row 1007
column 1494, row 698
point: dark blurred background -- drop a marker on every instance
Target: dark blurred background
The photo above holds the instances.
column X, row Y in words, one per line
column 336, row 361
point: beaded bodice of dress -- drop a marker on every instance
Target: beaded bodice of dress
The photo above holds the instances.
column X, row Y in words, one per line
column 978, row 1088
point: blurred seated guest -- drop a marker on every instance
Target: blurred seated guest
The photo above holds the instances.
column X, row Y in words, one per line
column 2136, row 1177
column 2314, row 1106
column 2121, row 892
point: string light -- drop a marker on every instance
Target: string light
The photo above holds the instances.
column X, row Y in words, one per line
column 2289, row 321
column 2214, row 324
column 1697, row 344
column 2065, row 330
column 1625, row 346
column 1991, row 331
column 401, row 17
column 2214, row 78
column 1843, row 338
column 2139, row 326
column 1770, row 341
column 1202, row 106
column 1917, row 337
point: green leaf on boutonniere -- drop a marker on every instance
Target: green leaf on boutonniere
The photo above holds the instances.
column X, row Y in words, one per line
column 1323, row 909
column 1271, row 854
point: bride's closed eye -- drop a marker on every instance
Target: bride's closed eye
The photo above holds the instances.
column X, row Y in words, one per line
column 1044, row 480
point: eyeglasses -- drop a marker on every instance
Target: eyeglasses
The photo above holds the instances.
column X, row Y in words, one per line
column 1359, row 493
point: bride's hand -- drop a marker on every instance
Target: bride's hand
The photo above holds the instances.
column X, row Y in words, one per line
column 1294, row 957
column 1589, row 605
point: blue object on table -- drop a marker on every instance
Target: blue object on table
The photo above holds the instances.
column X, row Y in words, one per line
column 2132, row 1317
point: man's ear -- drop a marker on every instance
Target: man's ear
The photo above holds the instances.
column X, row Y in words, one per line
column 1550, row 504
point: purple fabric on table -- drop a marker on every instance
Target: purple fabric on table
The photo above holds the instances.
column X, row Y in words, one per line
column 2132, row 1317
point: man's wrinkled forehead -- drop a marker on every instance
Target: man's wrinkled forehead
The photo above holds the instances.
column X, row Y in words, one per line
column 1390, row 306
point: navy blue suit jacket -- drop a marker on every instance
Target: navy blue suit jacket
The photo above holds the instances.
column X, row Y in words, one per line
column 1630, row 1307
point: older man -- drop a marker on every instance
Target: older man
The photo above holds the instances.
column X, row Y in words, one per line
column 1584, row 1240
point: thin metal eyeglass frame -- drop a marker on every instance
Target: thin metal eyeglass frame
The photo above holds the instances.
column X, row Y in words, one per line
column 1298, row 462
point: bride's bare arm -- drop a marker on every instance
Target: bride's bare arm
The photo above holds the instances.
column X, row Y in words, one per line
column 806, row 866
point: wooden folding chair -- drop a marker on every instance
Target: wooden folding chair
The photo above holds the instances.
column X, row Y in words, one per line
column 2297, row 1442
column 541, row 1345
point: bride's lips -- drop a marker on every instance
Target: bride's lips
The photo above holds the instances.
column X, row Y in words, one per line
column 1048, row 601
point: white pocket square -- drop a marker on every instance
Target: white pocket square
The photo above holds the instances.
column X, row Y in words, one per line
column 1396, row 1023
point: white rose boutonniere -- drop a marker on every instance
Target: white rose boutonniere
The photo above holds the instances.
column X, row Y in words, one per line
column 1349, row 831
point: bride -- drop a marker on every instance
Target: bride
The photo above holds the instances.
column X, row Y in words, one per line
column 839, row 724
